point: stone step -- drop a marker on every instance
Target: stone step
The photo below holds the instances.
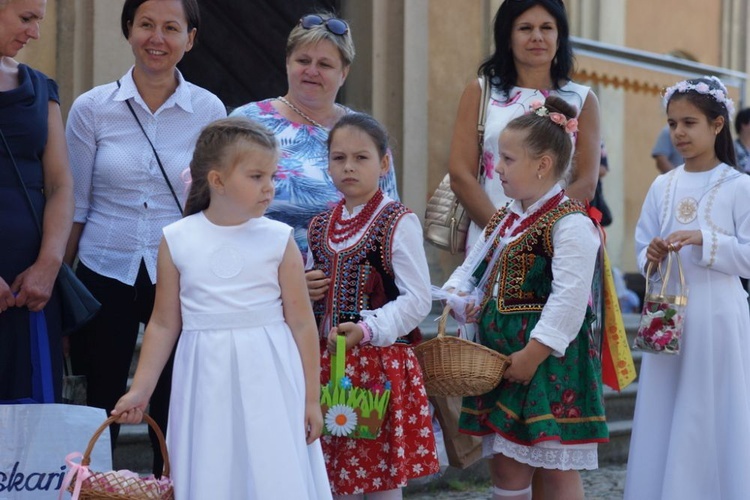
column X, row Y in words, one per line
column 616, row 450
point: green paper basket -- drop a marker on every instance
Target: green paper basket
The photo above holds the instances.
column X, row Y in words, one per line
column 348, row 411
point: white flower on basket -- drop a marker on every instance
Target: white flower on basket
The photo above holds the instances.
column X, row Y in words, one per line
column 341, row 420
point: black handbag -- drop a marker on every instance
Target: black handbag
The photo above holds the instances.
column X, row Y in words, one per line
column 78, row 305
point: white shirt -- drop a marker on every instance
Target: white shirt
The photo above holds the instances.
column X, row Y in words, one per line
column 412, row 276
column 120, row 193
column 575, row 241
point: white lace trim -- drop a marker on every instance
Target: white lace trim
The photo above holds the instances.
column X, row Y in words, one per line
column 547, row 454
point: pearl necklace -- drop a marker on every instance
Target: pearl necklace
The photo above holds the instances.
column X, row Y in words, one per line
column 299, row 112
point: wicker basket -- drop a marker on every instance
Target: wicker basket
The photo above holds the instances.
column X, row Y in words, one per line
column 113, row 486
column 457, row 367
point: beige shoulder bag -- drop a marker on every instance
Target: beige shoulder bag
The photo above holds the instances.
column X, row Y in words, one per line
column 446, row 223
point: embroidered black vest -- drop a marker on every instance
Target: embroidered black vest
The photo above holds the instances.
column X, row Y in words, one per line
column 523, row 272
column 362, row 275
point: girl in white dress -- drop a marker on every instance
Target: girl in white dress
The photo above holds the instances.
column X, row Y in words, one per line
column 691, row 438
column 245, row 411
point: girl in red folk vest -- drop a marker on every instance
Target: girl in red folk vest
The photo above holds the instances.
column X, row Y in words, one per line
column 531, row 273
column 370, row 282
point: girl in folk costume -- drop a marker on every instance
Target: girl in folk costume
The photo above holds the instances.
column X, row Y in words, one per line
column 245, row 409
column 377, row 292
column 691, row 438
column 528, row 279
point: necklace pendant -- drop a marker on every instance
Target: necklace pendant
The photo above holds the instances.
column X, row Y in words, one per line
column 687, row 210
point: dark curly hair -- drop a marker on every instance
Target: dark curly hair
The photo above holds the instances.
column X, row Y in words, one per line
column 501, row 64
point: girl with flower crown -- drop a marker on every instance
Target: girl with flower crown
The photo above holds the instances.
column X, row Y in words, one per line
column 526, row 282
column 691, row 438
column 370, row 247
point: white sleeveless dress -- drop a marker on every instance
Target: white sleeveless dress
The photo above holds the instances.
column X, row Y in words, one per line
column 501, row 111
column 236, row 428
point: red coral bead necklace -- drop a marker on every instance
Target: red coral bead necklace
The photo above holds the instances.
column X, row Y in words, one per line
column 341, row 230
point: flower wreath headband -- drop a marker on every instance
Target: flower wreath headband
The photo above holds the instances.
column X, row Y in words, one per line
column 718, row 94
column 570, row 125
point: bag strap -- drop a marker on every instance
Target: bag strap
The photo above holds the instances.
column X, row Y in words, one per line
column 158, row 160
column 338, row 360
column 665, row 275
column 22, row 183
column 484, row 102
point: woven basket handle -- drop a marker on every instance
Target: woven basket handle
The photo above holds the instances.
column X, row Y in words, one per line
column 86, row 460
column 442, row 320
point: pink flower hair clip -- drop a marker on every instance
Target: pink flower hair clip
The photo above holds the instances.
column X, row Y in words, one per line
column 570, row 125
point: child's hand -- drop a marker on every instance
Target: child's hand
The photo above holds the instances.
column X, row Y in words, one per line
column 130, row 408
column 679, row 239
column 524, row 363
column 317, row 284
column 471, row 311
column 313, row 420
column 352, row 331
column 657, row 250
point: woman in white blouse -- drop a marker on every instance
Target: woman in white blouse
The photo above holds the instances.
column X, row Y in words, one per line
column 129, row 143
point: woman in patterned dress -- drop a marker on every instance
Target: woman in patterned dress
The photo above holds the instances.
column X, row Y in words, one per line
column 532, row 269
column 319, row 54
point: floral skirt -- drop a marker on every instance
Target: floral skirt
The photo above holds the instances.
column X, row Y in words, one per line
column 563, row 402
column 405, row 446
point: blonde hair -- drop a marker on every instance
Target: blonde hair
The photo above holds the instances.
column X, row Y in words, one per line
column 217, row 148
column 300, row 36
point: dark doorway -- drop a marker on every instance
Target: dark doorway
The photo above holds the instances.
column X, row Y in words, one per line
column 240, row 54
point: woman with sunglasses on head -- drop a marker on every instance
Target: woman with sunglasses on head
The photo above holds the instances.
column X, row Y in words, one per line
column 319, row 54
column 33, row 140
column 532, row 59
column 130, row 141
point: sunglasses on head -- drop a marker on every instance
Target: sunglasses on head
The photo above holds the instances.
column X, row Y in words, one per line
column 333, row 24
column 556, row 1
